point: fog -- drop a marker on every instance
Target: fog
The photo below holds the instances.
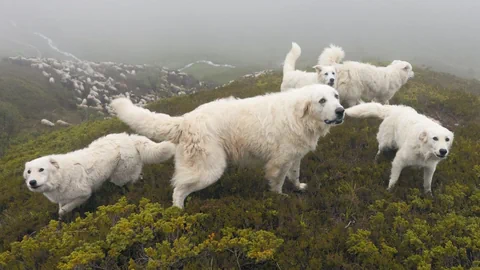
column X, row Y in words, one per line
column 442, row 34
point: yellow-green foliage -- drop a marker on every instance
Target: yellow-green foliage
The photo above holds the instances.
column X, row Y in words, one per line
column 153, row 235
column 345, row 220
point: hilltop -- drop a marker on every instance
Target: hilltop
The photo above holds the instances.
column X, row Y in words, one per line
column 346, row 219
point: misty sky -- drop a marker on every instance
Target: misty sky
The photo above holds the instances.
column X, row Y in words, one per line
column 443, row 34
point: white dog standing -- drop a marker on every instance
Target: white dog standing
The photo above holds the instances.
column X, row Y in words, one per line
column 420, row 140
column 277, row 129
column 69, row 179
column 360, row 81
column 296, row 78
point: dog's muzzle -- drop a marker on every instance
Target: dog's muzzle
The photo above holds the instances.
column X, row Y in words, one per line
column 340, row 113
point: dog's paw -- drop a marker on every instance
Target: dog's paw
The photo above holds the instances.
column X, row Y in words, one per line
column 302, row 186
column 428, row 193
column 390, row 189
column 61, row 213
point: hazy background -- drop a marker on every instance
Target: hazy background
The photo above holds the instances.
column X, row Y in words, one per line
column 441, row 34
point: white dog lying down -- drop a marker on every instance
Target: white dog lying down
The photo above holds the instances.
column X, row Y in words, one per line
column 277, row 129
column 296, row 78
column 356, row 81
column 69, row 179
column 420, row 140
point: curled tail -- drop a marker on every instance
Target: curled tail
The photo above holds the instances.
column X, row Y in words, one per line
column 370, row 109
column 291, row 58
column 331, row 55
column 152, row 152
column 156, row 126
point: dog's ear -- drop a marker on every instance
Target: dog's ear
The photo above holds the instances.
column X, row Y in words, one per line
column 302, row 107
column 318, row 68
column 423, row 137
column 406, row 68
column 54, row 163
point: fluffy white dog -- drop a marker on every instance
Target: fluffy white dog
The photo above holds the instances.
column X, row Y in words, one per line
column 360, row 81
column 276, row 129
column 296, row 78
column 69, row 179
column 420, row 141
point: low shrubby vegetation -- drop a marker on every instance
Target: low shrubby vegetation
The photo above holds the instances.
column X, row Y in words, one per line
column 345, row 220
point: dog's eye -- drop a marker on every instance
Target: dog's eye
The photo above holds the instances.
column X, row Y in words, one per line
column 41, row 170
column 435, row 138
column 28, row 171
column 326, row 74
column 447, row 139
column 336, row 96
column 333, row 73
column 322, row 100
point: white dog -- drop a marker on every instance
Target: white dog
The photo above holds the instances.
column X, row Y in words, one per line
column 296, row 78
column 420, row 141
column 69, row 179
column 276, row 129
column 360, row 81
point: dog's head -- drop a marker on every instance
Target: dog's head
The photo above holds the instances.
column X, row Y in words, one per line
column 320, row 103
column 326, row 74
column 38, row 174
column 404, row 67
column 437, row 141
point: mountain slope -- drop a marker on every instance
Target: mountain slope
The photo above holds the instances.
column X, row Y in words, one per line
column 346, row 219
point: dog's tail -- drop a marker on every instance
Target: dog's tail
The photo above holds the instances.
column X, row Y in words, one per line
column 331, row 55
column 370, row 109
column 157, row 126
column 291, row 58
column 152, row 152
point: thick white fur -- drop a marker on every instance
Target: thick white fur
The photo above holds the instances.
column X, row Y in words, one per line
column 357, row 81
column 418, row 138
column 276, row 129
column 69, row 179
column 296, row 78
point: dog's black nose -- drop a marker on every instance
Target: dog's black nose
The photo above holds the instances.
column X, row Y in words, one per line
column 443, row 152
column 332, row 80
column 339, row 111
column 32, row 183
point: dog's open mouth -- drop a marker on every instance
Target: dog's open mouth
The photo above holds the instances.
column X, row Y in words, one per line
column 330, row 83
column 441, row 156
column 35, row 187
column 334, row 122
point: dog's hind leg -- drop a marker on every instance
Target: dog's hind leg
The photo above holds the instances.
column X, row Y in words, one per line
column 196, row 174
column 294, row 176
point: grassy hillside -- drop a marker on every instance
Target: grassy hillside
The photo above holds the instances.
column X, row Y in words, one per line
column 345, row 220
column 26, row 97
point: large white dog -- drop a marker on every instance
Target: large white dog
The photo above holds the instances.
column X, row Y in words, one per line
column 69, row 179
column 360, row 81
column 293, row 78
column 420, row 141
column 277, row 129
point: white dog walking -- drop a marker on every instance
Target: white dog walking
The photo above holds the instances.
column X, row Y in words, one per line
column 69, row 179
column 296, row 78
column 420, row 140
column 277, row 129
column 360, row 81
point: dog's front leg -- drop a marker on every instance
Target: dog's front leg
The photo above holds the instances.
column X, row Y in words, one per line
column 276, row 174
column 294, row 176
column 427, row 178
column 68, row 207
column 397, row 167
